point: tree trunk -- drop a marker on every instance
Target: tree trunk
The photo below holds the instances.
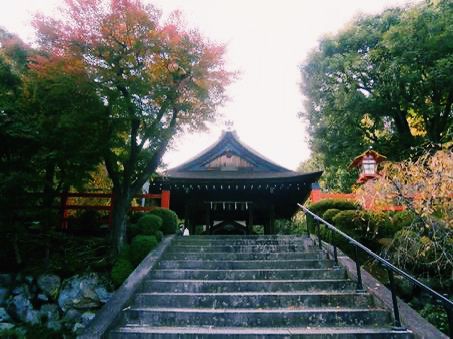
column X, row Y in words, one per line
column 121, row 203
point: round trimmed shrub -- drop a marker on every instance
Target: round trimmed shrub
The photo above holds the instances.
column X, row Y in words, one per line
column 140, row 246
column 351, row 222
column 330, row 213
column 131, row 231
column 322, row 206
column 169, row 219
column 159, row 235
column 121, row 270
column 135, row 217
column 401, row 220
column 149, row 224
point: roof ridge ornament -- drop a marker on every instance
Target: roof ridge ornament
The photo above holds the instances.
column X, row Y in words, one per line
column 229, row 125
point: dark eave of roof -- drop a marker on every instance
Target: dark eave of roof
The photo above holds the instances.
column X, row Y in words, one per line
column 226, row 176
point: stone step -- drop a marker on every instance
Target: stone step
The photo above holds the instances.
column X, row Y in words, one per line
column 256, row 317
column 242, row 256
column 147, row 332
column 240, row 249
column 260, row 237
column 245, row 264
column 250, row 287
column 250, row 274
column 255, row 300
column 237, row 242
column 218, row 286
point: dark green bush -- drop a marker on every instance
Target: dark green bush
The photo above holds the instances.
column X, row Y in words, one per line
column 131, row 231
column 121, row 270
column 149, row 224
column 169, row 219
column 373, row 229
column 135, row 216
column 341, row 204
column 322, row 206
column 159, row 235
column 381, row 223
column 140, row 246
column 330, row 213
column 89, row 218
column 436, row 315
column 353, row 223
column 401, row 220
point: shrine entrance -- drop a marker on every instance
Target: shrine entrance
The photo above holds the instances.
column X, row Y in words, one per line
column 229, row 188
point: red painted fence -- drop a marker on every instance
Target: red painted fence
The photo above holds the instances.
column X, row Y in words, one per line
column 367, row 203
column 164, row 198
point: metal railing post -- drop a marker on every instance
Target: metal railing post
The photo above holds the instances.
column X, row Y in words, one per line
column 447, row 303
column 335, row 254
column 359, row 286
column 306, row 220
column 396, row 312
column 319, row 233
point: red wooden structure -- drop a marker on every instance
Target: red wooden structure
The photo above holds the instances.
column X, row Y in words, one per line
column 368, row 203
column 164, row 198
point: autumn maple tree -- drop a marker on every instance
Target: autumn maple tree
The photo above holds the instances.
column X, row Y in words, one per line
column 424, row 187
column 154, row 78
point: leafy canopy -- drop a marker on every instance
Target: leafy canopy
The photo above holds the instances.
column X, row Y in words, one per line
column 154, row 78
column 385, row 81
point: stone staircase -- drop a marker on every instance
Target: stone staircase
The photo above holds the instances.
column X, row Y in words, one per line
column 251, row 287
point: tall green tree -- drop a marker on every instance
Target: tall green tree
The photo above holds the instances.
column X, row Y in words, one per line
column 66, row 114
column 17, row 173
column 51, row 133
column 384, row 81
column 155, row 79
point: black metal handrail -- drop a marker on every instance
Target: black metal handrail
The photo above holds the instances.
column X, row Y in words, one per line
column 447, row 304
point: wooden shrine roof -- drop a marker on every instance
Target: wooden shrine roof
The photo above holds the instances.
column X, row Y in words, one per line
column 231, row 160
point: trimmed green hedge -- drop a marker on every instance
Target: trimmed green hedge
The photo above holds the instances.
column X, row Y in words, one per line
column 370, row 227
column 149, row 224
column 121, row 270
column 169, row 219
column 320, row 207
column 135, row 217
column 159, row 235
column 330, row 213
column 122, row 267
column 131, row 231
column 141, row 245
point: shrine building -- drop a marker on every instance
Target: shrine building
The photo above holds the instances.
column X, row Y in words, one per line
column 230, row 187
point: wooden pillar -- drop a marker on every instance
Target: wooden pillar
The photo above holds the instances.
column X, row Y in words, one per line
column 63, row 211
column 186, row 217
column 250, row 221
column 208, row 219
column 165, row 199
column 271, row 219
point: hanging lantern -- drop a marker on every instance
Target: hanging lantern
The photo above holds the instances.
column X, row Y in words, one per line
column 367, row 163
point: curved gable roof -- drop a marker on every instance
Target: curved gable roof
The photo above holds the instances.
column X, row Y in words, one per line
column 228, row 142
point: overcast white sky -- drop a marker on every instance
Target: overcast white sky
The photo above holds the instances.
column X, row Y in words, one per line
column 266, row 41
